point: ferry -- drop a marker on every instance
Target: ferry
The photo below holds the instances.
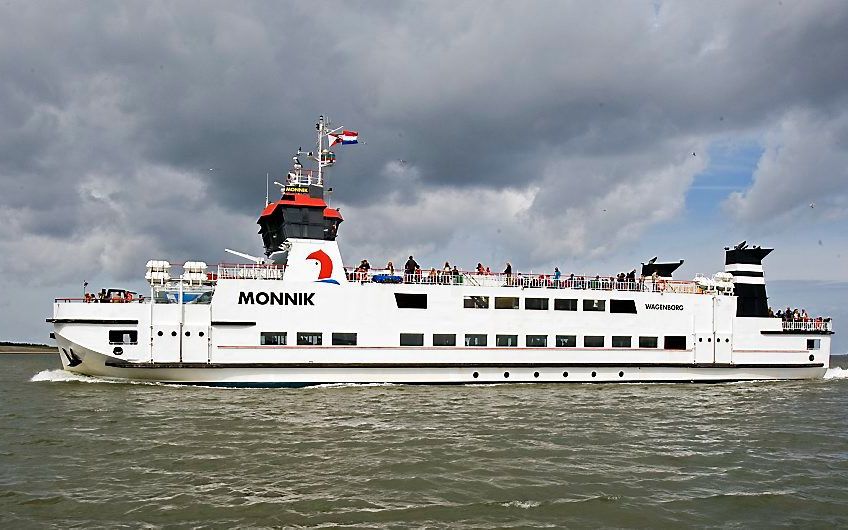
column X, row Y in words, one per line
column 297, row 316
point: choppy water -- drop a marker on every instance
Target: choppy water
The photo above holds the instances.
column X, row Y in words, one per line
column 74, row 453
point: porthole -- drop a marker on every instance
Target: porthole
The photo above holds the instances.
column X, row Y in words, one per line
column 726, row 340
column 535, row 374
column 160, row 333
column 201, row 334
column 506, row 374
column 118, row 350
column 475, row 375
column 173, row 333
column 188, row 333
column 812, row 357
column 620, row 374
column 709, row 340
column 594, row 374
column 700, row 339
column 565, row 374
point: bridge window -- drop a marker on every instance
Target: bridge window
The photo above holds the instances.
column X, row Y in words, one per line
column 123, row 336
column 623, row 306
column 309, row 338
column 344, row 339
column 647, row 342
column 675, row 342
column 411, row 301
column 593, row 341
column 506, row 302
column 506, row 341
column 476, row 302
column 565, row 304
column 474, row 339
column 412, row 339
column 537, row 341
column 538, row 304
column 594, row 305
column 566, row 341
column 444, row 339
column 620, row 342
column 272, row 338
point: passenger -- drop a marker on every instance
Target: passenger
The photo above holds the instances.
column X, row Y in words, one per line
column 391, row 268
column 654, row 281
column 480, row 269
column 434, row 276
column 457, row 277
column 557, row 276
column 410, row 267
column 770, row 312
column 508, row 269
column 488, row 271
column 102, row 296
column 418, row 272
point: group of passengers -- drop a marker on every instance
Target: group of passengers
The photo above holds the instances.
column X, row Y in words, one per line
column 794, row 315
column 451, row 275
column 104, row 297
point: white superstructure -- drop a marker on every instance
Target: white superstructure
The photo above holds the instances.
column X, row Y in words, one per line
column 298, row 317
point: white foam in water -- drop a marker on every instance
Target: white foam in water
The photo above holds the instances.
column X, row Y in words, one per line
column 836, row 373
column 63, row 376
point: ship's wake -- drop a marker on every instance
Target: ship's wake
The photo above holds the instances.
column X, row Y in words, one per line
column 836, row 373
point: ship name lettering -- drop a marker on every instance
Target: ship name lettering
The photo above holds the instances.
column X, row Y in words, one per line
column 279, row 298
column 665, row 307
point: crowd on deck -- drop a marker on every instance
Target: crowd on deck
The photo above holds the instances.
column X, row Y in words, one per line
column 451, row 275
column 795, row 315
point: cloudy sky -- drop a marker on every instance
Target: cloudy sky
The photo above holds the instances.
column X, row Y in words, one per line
column 563, row 133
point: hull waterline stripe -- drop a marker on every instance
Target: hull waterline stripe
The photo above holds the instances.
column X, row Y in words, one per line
column 474, row 382
column 231, row 323
column 123, row 364
column 89, row 321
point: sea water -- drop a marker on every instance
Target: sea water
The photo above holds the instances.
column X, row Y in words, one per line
column 80, row 451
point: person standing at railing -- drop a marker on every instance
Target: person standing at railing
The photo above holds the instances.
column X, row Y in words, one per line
column 557, row 276
column 457, row 277
column 410, row 268
column 390, row 267
column 480, row 269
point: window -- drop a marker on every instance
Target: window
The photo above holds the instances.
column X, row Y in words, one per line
column 506, row 302
column 647, row 342
column 675, row 342
column 620, row 342
column 344, row 339
column 813, row 344
column 473, row 339
column 566, row 341
column 538, row 304
column 272, row 338
column 593, row 341
column 308, row 338
column 412, row 339
column 476, row 302
column 411, row 301
column 123, row 336
column 444, row 339
column 537, row 341
column 565, row 304
column 506, row 341
column 623, row 306
column 594, row 305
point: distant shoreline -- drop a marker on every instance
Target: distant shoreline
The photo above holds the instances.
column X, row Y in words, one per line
column 13, row 347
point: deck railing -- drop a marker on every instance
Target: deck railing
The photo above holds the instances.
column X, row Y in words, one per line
column 250, row 271
column 816, row 324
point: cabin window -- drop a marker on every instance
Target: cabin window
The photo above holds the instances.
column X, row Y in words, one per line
column 444, row 339
column 412, row 339
column 537, row 341
column 593, row 341
column 538, row 304
column 565, row 304
column 476, row 302
column 123, row 336
column 475, row 339
column 623, row 306
column 305, row 338
column 344, row 339
column 594, row 305
column 506, row 341
column 620, row 342
column 813, row 344
column 675, row 342
column 411, row 301
column 272, row 338
column 566, row 341
column 648, row 342
column 506, row 302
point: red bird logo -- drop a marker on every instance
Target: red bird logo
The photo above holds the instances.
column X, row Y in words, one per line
column 326, row 272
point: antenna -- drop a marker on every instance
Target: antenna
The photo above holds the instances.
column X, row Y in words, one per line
column 267, row 201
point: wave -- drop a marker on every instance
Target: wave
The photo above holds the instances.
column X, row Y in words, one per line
column 64, row 376
column 836, row 373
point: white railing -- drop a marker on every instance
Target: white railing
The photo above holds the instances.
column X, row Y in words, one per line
column 525, row 281
column 304, row 177
column 816, row 324
column 250, row 271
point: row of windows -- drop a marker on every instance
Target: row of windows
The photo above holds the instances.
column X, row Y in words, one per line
column 543, row 304
column 671, row 342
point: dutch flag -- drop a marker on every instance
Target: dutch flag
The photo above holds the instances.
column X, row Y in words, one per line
column 346, row 137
